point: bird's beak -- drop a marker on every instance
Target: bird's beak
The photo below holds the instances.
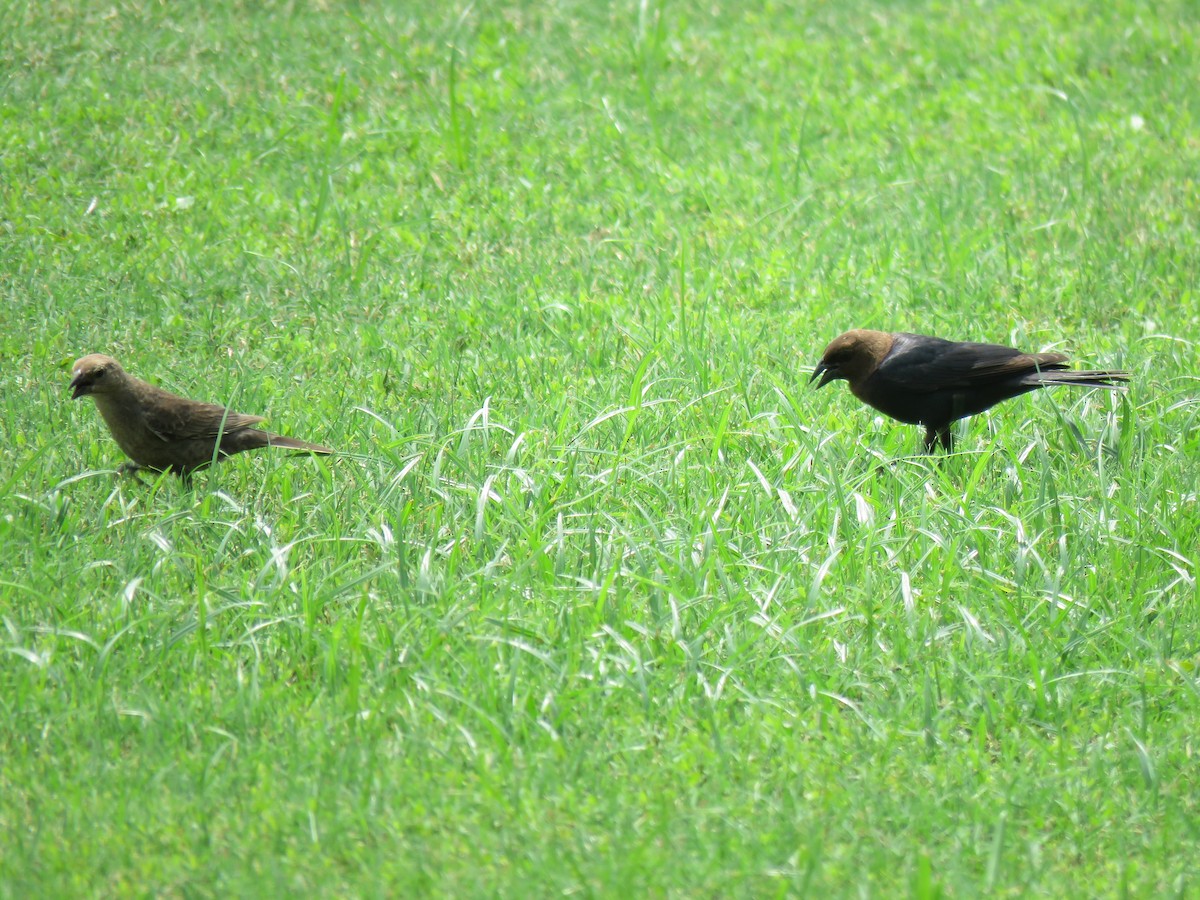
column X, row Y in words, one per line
column 823, row 372
column 77, row 386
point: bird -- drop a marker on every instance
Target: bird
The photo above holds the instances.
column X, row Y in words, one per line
column 924, row 380
column 163, row 432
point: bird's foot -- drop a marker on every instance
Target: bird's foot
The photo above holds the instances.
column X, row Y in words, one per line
column 131, row 470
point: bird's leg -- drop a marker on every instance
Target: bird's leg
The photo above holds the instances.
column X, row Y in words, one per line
column 185, row 477
column 131, row 470
column 935, row 436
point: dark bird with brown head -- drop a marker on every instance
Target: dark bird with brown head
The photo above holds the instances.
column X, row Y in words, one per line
column 164, row 432
column 929, row 381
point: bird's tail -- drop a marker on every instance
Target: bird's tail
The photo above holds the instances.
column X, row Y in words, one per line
column 1114, row 381
column 287, row 443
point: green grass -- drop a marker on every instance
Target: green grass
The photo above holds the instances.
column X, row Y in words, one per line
column 602, row 600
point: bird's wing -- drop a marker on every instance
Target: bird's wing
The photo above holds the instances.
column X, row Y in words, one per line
column 1019, row 364
column 191, row 420
column 923, row 364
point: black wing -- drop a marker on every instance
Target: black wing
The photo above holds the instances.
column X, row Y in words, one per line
column 923, row 364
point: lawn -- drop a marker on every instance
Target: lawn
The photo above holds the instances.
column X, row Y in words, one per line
column 599, row 597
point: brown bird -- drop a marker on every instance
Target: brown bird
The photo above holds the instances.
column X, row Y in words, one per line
column 928, row 381
column 161, row 431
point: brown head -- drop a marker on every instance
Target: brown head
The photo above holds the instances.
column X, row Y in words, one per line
column 852, row 356
column 95, row 374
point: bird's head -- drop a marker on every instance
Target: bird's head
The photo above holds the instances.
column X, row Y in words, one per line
column 852, row 356
column 95, row 374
